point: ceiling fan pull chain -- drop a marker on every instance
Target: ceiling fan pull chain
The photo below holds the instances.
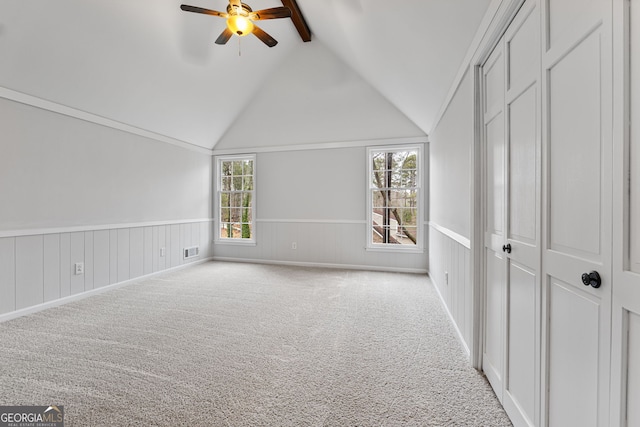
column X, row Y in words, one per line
column 239, row 50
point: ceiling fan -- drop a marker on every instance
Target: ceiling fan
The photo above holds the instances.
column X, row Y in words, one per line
column 240, row 19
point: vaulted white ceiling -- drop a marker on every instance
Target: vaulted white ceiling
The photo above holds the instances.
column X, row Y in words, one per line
column 375, row 68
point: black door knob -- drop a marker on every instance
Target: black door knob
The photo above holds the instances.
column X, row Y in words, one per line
column 506, row 248
column 592, row 279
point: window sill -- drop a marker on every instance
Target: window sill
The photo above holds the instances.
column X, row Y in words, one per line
column 234, row 242
column 395, row 249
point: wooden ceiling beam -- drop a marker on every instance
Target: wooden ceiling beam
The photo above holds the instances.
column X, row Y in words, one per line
column 298, row 20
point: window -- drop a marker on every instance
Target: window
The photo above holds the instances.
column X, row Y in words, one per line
column 236, row 196
column 394, row 198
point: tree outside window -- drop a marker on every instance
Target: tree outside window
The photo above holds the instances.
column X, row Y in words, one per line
column 394, row 197
column 236, row 198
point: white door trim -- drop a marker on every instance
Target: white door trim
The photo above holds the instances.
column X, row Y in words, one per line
column 502, row 19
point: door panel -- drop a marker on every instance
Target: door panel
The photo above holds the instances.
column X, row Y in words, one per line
column 523, row 112
column 494, row 83
column 495, row 176
column 494, row 327
column 523, row 47
column 522, row 338
column 573, row 356
column 575, row 151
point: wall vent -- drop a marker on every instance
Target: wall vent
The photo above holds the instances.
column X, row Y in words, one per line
column 191, row 252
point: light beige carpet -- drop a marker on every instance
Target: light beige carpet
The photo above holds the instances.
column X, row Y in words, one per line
column 224, row 344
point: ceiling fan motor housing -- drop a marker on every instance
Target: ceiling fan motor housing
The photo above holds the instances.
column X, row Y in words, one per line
column 246, row 10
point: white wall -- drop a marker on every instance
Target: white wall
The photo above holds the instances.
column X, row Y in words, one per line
column 74, row 191
column 314, row 97
column 450, row 146
column 450, row 162
column 314, row 184
column 58, row 171
column 316, row 198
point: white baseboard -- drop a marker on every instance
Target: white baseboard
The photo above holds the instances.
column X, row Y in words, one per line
column 65, row 300
column 324, row 265
column 453, row 320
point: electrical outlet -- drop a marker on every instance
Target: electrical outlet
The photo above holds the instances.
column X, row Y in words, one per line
column 79, row 268
column 294, row 245
column 162, row 251
column 446, row 277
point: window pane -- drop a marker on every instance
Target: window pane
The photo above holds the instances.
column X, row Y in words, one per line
column 226, row 231
column 247, row 183
column 237, row 183
column 237, row 167
column 226, row 169
column 224, row 215
column 237, row 229
column 236, row 200
column 246, row 200
column 226, row 183
column 248, row 215
column 246, row 230
column 397, row 159
column 235, row 214
column 379, row 198
column 248, row 167
column 406, row 235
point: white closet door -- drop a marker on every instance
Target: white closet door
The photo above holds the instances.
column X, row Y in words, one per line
column 512, row 230
column 522, row 220
column 578, row 200
column 625, row 372
column 494, row 83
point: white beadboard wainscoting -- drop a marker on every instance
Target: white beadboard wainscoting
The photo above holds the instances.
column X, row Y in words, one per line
column 449, row 270
column 37, row 268
column 321, row 243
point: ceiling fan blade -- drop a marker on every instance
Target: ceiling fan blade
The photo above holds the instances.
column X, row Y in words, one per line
column 224, row 37
column 273, row 13
column 266, row 38
column 196, row 9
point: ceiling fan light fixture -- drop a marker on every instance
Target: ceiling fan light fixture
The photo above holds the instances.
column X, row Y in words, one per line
column 240, row 25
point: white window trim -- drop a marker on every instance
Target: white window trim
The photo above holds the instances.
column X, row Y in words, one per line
column 385, row 247
column 217, row 222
